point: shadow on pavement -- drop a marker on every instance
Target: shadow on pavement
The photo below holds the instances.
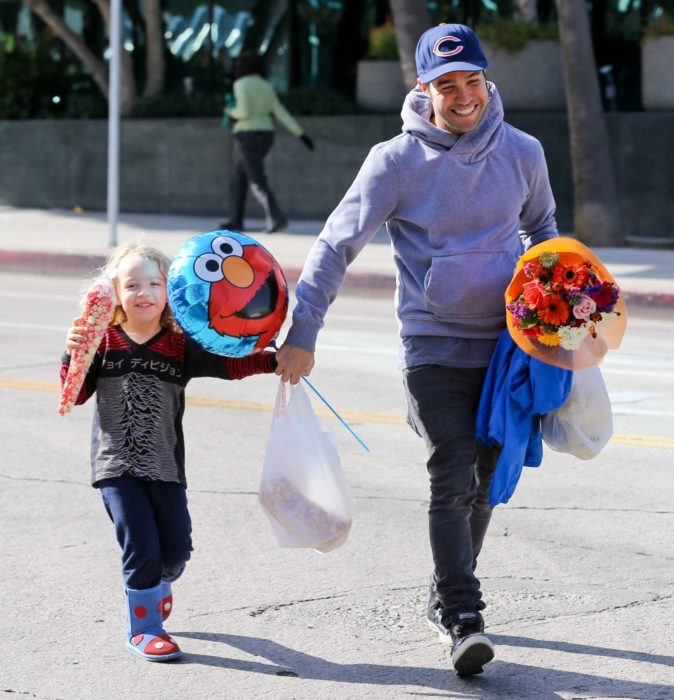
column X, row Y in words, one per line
column 582, row 649
column 505, row 680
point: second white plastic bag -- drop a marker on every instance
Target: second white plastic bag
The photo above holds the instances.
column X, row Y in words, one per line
column 303, row 490
column 583, row 424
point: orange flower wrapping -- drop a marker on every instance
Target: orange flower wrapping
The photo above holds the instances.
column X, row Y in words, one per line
column 98, row 308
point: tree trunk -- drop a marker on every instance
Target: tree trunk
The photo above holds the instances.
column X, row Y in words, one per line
column 597, row 218
column 97, row 67
column 128, row 92
column 154, row 49
column 410, row 20
column 55, row 22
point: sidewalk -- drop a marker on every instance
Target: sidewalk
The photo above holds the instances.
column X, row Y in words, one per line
column 60, row 242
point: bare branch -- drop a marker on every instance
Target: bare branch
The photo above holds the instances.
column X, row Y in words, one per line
column 154, row 47
column 410, row 20
column 97, row 68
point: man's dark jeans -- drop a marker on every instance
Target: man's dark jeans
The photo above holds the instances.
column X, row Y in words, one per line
column 442, row 405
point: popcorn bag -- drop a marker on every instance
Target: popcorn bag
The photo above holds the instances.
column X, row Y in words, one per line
column 98, row 307
column 303, row 491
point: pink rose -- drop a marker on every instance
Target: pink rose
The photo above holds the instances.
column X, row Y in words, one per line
column 584, row 308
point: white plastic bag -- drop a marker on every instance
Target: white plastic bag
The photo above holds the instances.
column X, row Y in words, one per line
column 303, row 491
column 583, row 424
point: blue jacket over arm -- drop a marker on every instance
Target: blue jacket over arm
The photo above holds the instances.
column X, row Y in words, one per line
column 517, row 391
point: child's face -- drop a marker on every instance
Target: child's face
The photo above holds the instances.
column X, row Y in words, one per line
column 141, row 289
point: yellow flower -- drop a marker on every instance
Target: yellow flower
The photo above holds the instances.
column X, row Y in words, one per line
column 551, row 339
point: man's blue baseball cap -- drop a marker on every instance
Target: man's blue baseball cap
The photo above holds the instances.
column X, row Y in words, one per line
column 448, row 48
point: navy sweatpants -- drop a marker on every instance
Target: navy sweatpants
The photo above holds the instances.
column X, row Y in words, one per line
column 153, row 528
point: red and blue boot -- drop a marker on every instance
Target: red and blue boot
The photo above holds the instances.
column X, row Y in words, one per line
column 166, row 602
column 146, row 636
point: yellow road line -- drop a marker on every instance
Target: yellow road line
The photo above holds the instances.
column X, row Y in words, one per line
column 29, row 385
column 666, row 443
column 354, row 417
column 349, row 416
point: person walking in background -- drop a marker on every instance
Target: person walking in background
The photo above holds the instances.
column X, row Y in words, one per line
column 462, row 194
column 256, row 102
column 139, row 374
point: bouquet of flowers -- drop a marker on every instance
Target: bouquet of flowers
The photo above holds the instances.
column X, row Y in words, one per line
column 98, row 307
column 563, row 306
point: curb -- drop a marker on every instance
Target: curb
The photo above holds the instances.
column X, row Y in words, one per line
column 78, row 265
column 651, row 299
column 58, row 264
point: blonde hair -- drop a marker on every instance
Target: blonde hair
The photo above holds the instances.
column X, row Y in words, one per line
column 110, row 269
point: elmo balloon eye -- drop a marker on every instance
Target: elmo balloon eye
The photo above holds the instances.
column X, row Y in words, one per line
column 208, row 267
column 226, row 246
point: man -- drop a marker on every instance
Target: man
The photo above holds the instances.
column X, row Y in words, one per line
column 462, row 194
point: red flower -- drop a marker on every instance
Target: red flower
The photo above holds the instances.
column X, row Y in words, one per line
column 533, row 270
column 532, row 332
column 556, row 311
column 534, row 294
column 603, row 295
column 570, row 275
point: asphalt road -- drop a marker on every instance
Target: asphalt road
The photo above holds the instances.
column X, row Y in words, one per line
column 577, row 569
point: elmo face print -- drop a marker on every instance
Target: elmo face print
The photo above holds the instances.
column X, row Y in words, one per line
column 227, row 293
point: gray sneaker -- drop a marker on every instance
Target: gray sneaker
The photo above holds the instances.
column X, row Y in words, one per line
column 471, row 648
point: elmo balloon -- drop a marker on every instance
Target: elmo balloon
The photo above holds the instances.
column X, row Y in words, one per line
column 227, row 293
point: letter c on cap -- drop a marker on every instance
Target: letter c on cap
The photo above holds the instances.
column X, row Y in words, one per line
column 445, row 53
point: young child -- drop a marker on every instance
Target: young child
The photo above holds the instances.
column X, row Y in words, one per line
column 139, row 374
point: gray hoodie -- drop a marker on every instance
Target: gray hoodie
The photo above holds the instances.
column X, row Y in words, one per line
column 459, row 211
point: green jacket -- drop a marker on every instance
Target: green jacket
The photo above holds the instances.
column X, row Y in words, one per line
column 256, row 102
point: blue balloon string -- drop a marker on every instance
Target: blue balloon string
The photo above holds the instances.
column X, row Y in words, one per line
column 324, row 400
column 341, row 420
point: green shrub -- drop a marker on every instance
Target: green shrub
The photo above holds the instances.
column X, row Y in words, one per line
column 36, row 84
column 177, row 104
column 662, row 26
column 383, row 44
column 316, row 102
column 512, row 35
column 299, row 101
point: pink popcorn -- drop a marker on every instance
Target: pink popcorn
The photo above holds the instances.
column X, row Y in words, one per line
column 98, row 306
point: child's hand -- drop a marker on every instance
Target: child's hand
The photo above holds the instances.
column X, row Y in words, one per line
column 76, row 338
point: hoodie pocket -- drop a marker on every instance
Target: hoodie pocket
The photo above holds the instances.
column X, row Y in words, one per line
column 470, row 285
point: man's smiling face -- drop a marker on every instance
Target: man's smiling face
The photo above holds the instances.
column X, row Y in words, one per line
column 459, row 100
